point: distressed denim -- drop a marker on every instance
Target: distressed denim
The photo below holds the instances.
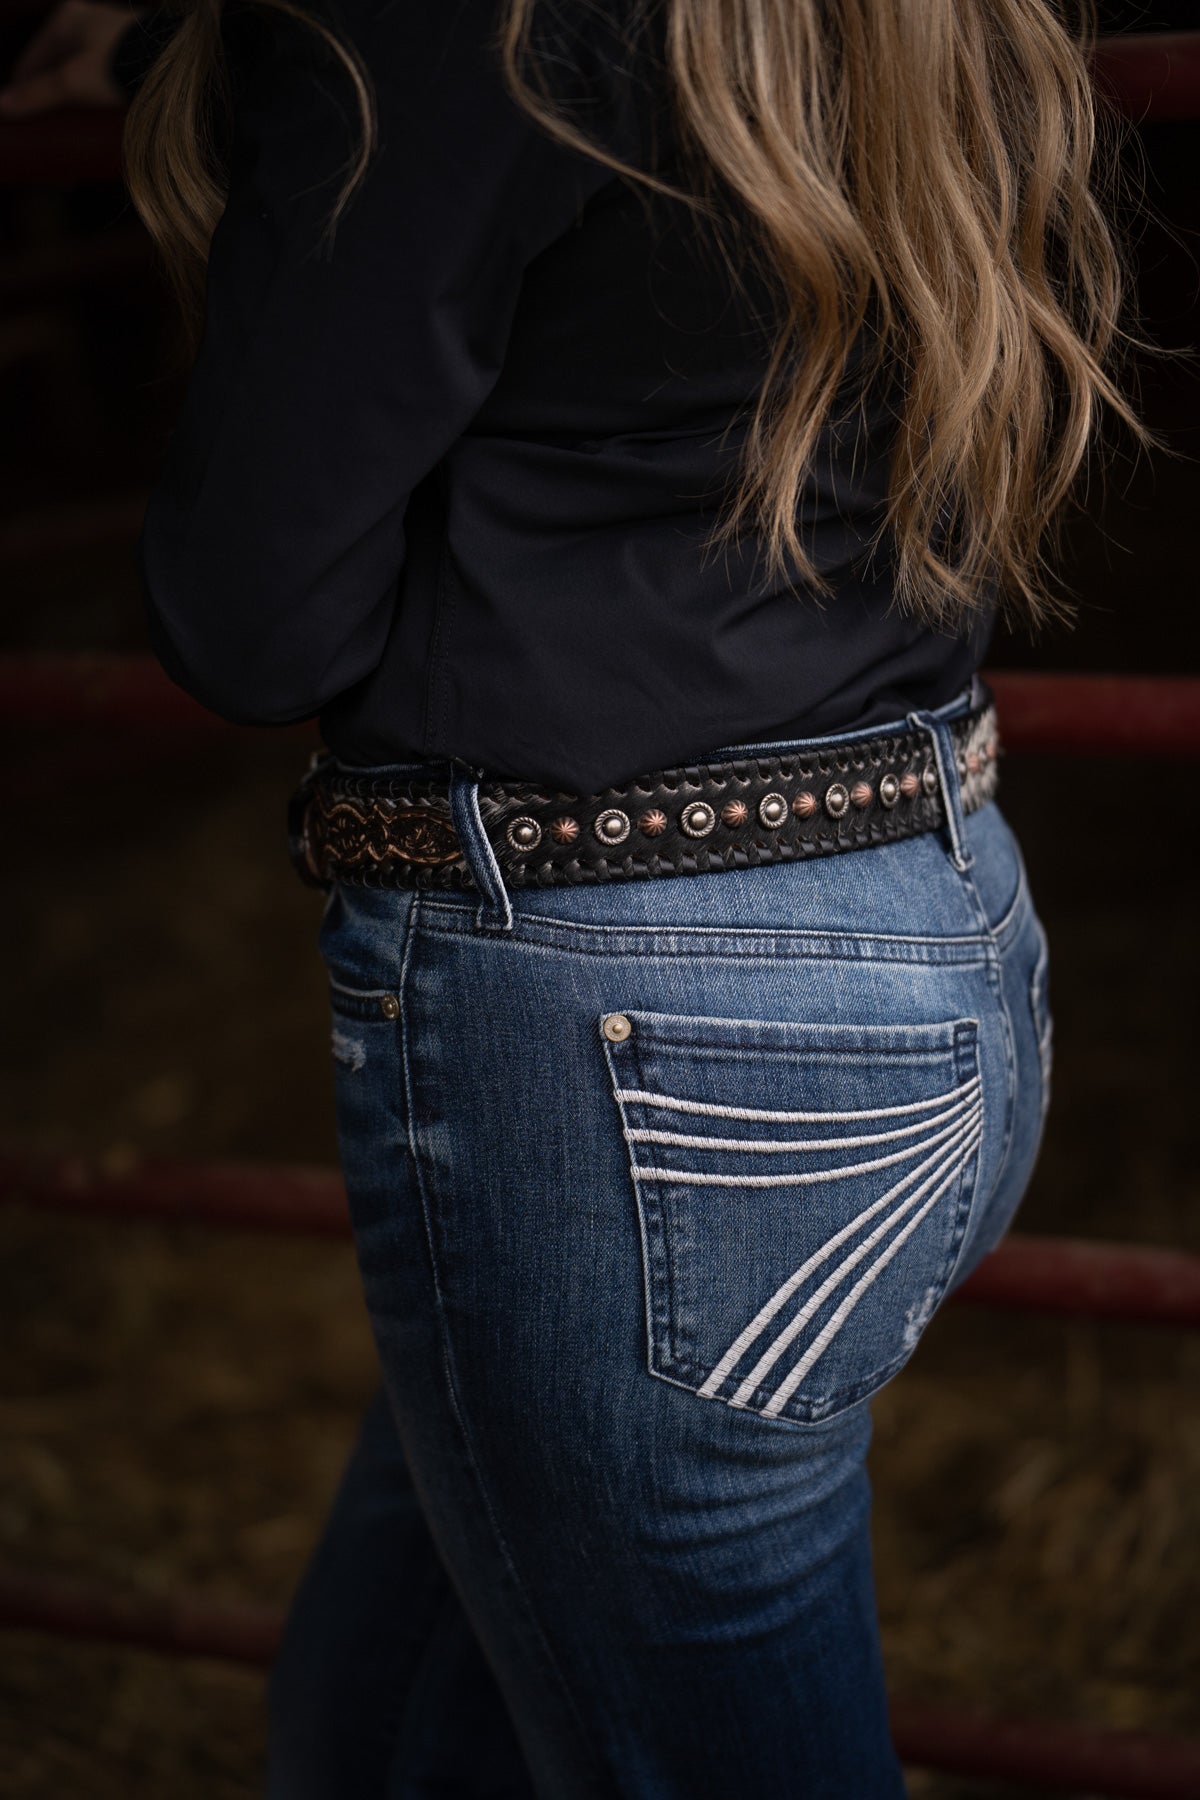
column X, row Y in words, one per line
column 653, row 1184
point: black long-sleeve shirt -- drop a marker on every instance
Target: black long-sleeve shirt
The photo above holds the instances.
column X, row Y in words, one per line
column 451, row 486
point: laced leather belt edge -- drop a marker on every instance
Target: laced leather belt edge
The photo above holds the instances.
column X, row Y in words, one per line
column 376, row 830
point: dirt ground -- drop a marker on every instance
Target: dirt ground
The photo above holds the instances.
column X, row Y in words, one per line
column 175, row 1403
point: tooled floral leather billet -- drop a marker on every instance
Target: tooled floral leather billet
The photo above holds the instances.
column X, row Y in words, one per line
column 377, row 830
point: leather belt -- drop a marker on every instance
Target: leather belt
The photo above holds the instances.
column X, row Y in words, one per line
column 378, row 830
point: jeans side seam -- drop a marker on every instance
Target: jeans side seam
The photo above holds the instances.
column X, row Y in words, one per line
column 995, row 975
column 452, row 1387
column 1005, row 929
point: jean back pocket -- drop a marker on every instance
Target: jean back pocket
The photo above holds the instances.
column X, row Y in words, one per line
column 803, row 1193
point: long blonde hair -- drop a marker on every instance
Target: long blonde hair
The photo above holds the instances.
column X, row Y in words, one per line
column 940, row 169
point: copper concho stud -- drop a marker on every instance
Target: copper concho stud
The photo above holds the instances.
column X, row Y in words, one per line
column 734, row 813
column 524, row 833
column 564, row 830
column 805, row 804
column 654, row 822
column 860, row 793
column 698, row 819
column 837, row 799
column 772, row 811
column 612, row 827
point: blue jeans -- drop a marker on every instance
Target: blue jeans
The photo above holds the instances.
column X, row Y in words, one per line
column 653, row 1184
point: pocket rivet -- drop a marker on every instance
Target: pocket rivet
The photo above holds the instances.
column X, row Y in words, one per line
column 617, row 1028
column 389, row 1006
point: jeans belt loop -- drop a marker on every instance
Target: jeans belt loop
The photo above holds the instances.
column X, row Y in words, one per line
column 946, row 759
column 495, row 905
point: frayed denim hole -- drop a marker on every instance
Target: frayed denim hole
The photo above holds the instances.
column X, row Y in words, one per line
column 918, row 1316
column 350, row 1052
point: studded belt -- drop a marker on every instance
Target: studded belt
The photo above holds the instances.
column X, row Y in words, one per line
column 373, row 830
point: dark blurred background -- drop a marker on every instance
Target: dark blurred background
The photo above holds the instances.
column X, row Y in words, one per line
column 176, row 1402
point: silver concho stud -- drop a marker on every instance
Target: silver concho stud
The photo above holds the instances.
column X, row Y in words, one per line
column 889, row 790
column 772, row 811
column 837, row 799
column 612, row 827
column 929, row 780
column 524, row 833
column 697, row 819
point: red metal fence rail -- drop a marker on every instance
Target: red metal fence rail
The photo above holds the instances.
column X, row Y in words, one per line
column 81, row 526
column 1082, row 715
column 1125, row 1283
column 1114, row 1765
column 1151, row 76
column 62, row 149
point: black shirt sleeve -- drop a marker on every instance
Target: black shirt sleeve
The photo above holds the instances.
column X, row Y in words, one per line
column 328, row 384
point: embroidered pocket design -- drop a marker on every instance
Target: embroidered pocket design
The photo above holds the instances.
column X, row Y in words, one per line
column 803, row 1192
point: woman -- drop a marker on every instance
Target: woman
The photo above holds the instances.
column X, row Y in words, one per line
column 621, row 424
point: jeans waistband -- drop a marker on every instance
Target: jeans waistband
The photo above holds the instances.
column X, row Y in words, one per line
column 446, row 824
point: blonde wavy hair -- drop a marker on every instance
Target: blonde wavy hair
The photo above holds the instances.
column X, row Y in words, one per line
column 940, row 171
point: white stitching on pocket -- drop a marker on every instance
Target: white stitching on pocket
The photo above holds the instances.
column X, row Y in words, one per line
column 703, row 1178
column 824, row 1337
column 944, row 1157
column 761, row 1115
column 958, row 1099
